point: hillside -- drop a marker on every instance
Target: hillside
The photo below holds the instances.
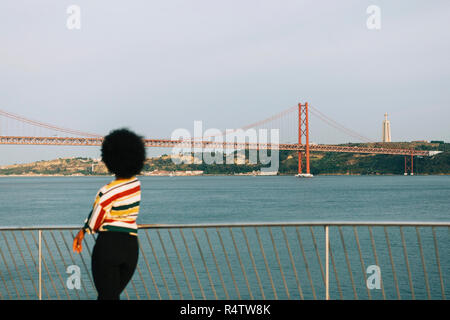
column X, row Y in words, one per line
column 321, row 163
column 67, row 166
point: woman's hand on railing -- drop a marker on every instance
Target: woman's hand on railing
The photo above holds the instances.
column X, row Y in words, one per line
column 78, row 241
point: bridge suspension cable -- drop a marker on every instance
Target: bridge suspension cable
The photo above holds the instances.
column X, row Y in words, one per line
column 46, row 125
column 337, row 125
column 252, row 125
column 290, row 127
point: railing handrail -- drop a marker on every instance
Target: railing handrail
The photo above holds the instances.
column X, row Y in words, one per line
column 256, row 224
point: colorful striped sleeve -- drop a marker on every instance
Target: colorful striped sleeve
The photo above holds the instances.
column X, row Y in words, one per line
column 96, row 215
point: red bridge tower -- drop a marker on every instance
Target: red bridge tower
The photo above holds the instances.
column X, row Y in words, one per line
column 303, row 131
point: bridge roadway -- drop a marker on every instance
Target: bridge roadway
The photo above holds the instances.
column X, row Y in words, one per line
column 167, row 143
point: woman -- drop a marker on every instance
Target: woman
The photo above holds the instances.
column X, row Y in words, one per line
column 113, row 216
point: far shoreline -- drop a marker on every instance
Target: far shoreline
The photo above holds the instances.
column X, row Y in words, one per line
column 210, row 175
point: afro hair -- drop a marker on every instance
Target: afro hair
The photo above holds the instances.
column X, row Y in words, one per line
column 123, row 153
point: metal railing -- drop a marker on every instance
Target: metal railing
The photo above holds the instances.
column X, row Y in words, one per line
column 298, row 260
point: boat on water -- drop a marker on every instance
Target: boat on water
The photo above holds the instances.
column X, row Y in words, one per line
column 304, row 175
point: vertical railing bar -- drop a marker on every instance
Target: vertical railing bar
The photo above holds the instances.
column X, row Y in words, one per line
column 253, row 264
column 9, row 272
column 56, row 267
column 228, row 263
column 41, row 260
column 6, row 287
column 15, row 265
column 372, row 240
column 327, row 268
column 126, row 294
column 279, row 263
column 169, row 263
column 24, row 262
column 193, row 264
column 392, row 263
column 306, row 263
column 40, row 263
column 265, row 262
column 135, row 290
column 150, row 270
column 317, row 253
column 438, row 262
column 73, row 260
column 159, row 266
column 62, row 257
column 217, row 265
column 34, row 262
column 348, row 262
column 240, row 262
column 405, row 253
column 363, row 267
column 143, row 281
column 425, row 274
column 181, row 263
column 338, row 283
column 293, row 263
column 57, row 248
column 1, row 295
column 84, row 263
column 204, row 264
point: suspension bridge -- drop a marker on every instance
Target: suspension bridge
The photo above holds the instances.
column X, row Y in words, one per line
column 292, row 123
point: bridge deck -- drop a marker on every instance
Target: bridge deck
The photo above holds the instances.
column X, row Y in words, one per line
column 166, row 143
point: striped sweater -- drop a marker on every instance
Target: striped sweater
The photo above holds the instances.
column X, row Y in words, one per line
column 116, row 207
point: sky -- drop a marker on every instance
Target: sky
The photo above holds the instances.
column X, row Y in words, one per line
column 155, row 66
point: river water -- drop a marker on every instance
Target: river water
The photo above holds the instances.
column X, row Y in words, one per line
column 30, row 201
column 238, row 262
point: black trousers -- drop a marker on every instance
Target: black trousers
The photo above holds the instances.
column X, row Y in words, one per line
column 114, row 259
